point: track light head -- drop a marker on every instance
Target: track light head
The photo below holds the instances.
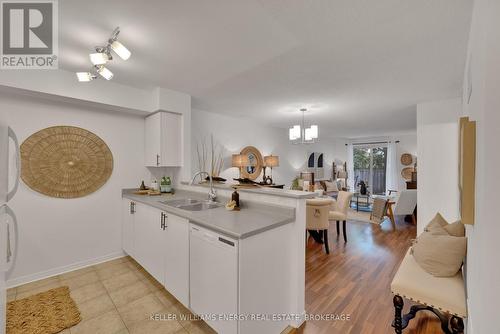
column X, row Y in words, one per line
column 104, row 72
column 85, row 76
column 99, row 58
column 103, row 55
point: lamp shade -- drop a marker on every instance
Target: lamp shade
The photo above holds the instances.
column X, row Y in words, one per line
column 98, row 58
column 240, row 160
column 120, row 50
column 84, row 76
column 271, row 161
column 105, row 73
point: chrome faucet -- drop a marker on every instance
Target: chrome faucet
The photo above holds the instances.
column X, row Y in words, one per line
column 212, row 194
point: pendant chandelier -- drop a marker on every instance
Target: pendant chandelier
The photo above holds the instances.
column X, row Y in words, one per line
column 299, row 134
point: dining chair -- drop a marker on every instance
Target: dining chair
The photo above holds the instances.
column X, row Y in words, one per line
column 338, row 211
column 317, row 211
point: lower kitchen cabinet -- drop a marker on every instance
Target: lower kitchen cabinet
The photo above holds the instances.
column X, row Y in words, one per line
column 176, row 252
column 225, row 280
column 149, row 239
column 159, row 242
column 128, row 208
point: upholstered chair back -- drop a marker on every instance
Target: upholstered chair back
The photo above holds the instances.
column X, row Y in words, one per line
column 317, row 213
column 343, row 202
column 406, row 202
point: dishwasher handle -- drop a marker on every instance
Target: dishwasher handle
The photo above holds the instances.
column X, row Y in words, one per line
column 213, row 238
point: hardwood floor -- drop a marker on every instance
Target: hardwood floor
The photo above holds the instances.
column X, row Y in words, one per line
column 355, row 280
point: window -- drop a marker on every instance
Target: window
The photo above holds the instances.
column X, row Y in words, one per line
column 370, row 166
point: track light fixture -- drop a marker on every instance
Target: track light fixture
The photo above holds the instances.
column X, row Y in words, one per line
column 102, row 56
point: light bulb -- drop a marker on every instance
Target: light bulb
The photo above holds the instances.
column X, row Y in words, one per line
column 84, row 76
column 296, row 130
column 98, row 58
column 120, row 50
column 308, row 134
column 314, row 131
column 105, row 73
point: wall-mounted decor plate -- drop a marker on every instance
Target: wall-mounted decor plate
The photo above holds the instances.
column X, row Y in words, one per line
column 65, row 162
column 407, row 172
column 406, row 159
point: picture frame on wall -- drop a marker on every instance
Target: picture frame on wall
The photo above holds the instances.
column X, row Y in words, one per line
column 467, row 169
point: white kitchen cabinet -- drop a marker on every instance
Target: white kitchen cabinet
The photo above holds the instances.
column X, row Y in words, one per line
column 149, row 240
column 159, row 242
column 163, row 140
column 128, row 208
column 176, row 251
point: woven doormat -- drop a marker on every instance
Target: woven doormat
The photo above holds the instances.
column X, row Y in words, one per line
column 47, row 312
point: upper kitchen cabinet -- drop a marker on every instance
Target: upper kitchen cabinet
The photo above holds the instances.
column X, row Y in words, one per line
column 164, row 142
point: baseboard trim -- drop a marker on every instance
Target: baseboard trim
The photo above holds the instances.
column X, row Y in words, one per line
column 12, row 283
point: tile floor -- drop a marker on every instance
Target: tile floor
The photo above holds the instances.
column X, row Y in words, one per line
column 118, row 297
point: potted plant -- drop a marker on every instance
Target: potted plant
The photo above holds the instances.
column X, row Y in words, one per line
column 166, row 184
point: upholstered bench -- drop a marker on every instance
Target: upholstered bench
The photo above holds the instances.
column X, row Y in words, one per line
column 444, row 296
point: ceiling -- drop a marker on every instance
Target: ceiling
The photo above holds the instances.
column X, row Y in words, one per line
column 360, row 66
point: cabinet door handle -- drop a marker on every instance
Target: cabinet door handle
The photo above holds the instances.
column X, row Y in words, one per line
column 132, row 207
column 163, row 224
column 163, row 221
column 157, row 160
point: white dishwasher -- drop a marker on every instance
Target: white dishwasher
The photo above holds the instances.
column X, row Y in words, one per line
column 213, row 278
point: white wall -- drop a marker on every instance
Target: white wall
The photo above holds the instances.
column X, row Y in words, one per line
column 483, row 75
column 437, row 140
column 57, row 233
column 407, row 144
column 236, row 133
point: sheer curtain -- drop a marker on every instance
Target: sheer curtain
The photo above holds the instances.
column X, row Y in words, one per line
column 392, row 180
column 350, row 168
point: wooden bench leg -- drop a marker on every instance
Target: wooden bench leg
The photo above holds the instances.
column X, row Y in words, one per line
column 398, row 320
column 457, row 325
column 401, row 321
column 338, row 228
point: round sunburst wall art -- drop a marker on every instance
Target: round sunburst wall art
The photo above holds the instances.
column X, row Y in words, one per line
column 65, row 162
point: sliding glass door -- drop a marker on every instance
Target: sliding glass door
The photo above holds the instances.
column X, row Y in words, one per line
column 370, row 166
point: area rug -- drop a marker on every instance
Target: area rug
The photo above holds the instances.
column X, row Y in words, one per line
column 46, row 312
column 360, row 216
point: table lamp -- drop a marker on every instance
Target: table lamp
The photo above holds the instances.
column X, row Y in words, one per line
column 240, row 161
column 271, row 161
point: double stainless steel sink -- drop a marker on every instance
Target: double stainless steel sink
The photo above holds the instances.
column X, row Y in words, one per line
column 191, row 204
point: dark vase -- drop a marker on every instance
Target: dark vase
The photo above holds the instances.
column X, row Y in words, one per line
column 362, row 188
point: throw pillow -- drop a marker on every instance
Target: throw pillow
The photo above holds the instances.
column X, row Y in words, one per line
column 437, row 222
column 457, row 229
column 439, row 225
column 440, row 255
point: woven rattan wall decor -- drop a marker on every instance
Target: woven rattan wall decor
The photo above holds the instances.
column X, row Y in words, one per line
column 65, row 162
